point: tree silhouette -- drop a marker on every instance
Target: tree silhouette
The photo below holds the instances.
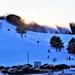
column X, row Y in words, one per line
column 71, row 46
column 56, row 42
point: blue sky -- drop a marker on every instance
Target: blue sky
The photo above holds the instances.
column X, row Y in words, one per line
column 49, row 12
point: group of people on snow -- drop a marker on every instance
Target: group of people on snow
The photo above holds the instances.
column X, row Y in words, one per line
column 55, row 59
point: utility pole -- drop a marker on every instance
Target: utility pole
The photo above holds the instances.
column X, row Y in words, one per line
column 28, row 56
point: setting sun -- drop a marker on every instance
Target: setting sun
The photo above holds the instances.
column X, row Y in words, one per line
column 28, row 21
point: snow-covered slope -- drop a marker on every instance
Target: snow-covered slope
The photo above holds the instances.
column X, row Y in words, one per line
column 13, row 48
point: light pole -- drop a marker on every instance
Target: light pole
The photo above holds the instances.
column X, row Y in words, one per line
column 28, row 56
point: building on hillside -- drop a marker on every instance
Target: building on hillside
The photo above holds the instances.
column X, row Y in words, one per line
column 37, row 64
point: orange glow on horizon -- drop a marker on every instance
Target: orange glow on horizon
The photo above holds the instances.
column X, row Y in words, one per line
column 26, row 20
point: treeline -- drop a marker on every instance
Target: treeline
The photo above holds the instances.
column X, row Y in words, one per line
column 22, row 26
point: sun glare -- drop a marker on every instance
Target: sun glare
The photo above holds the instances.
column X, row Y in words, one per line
column 30, row 16
column 28, row 21
column 25, row 20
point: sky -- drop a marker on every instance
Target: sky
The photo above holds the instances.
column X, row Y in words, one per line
column 46, row 12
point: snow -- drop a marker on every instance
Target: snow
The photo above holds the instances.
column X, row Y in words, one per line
column 13, row 48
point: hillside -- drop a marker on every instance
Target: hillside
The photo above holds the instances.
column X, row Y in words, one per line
column 22, row 25
column 14, row 47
